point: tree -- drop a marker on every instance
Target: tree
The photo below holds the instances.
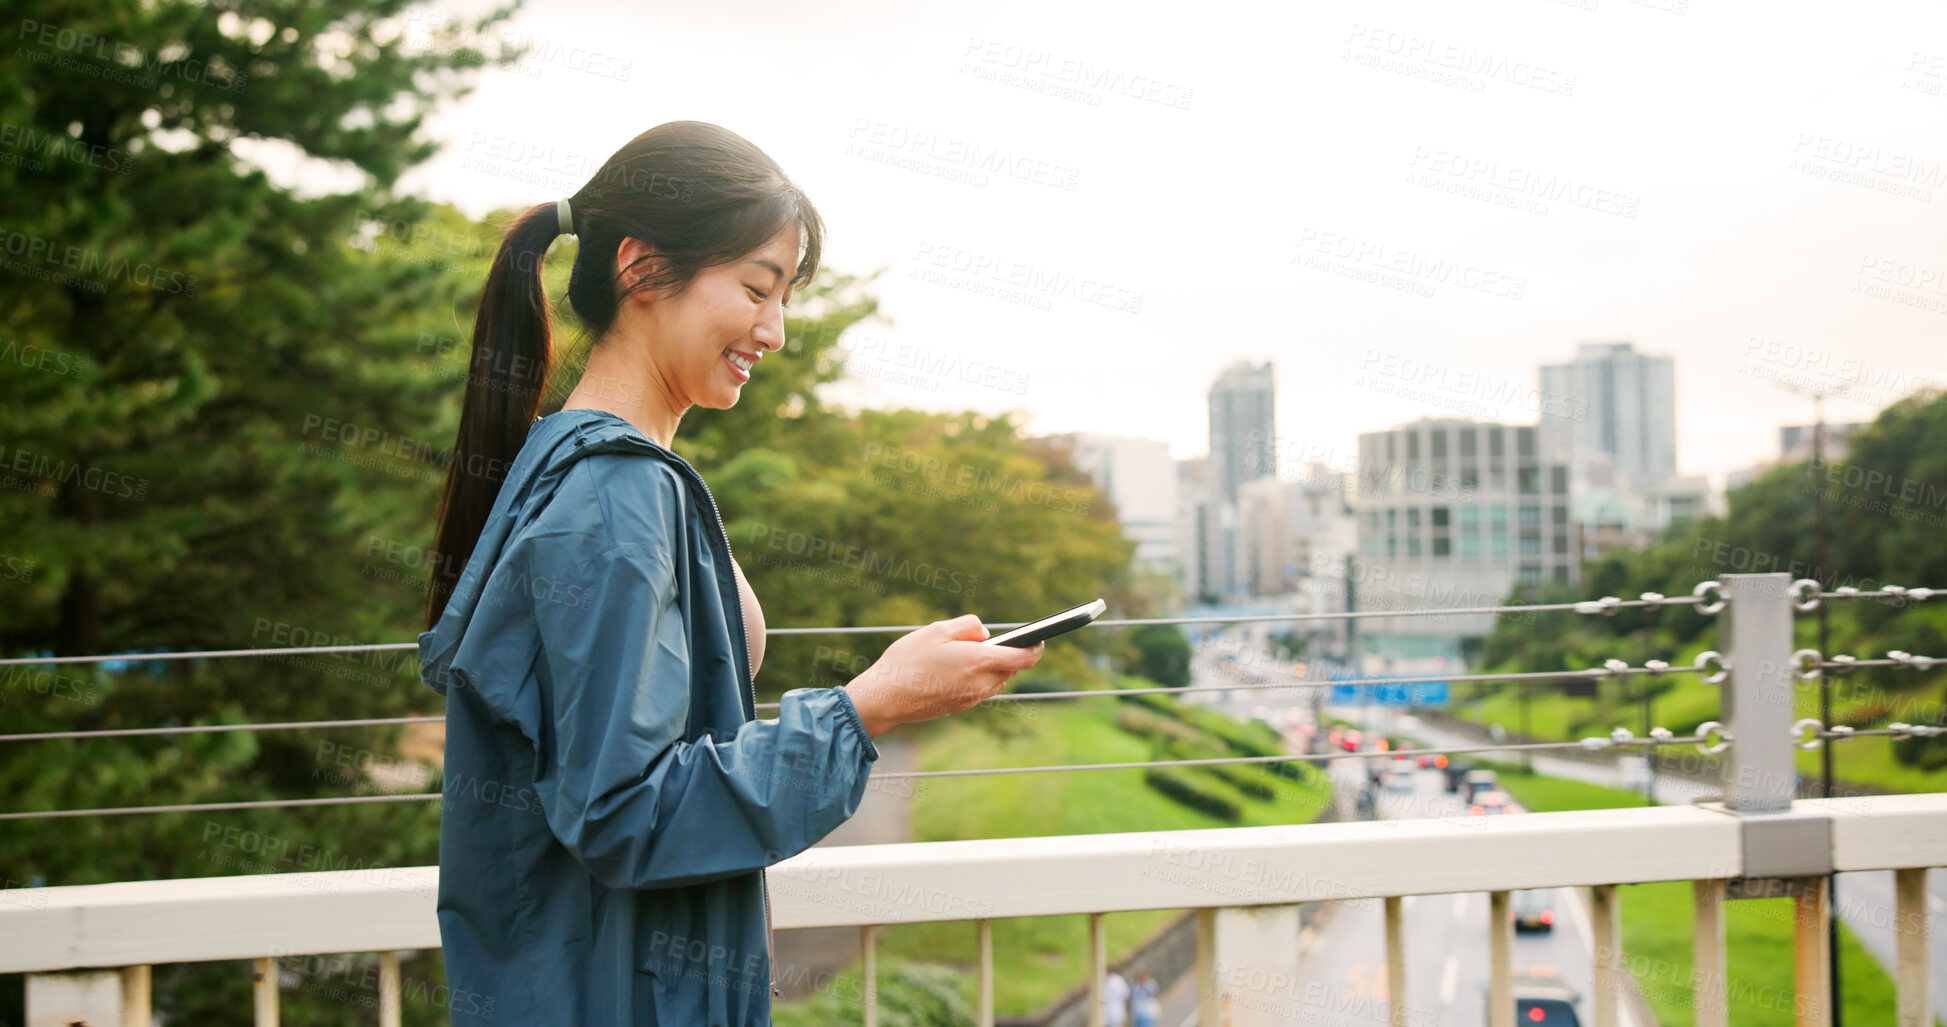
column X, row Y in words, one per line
column 1165, row 655
column 216, row 413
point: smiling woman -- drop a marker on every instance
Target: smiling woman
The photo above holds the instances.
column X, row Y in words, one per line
column 692, row 239
column 610, row 799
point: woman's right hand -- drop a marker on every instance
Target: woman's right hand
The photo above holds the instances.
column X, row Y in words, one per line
column 939, row 670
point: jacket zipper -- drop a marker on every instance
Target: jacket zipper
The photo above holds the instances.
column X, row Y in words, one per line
column 750, row 678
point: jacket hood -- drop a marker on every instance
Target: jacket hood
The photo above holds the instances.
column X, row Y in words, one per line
column 554, row 444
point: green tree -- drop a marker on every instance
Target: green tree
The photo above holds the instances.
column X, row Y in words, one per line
column 1165, row 654
column 216, row 402
column 1884, row 503
column 230, row 408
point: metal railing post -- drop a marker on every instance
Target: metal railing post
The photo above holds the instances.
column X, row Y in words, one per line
column 1757, row 701
column 1500, row 959
column 1396, row 960
column 1784, row 851
column 1709, row 985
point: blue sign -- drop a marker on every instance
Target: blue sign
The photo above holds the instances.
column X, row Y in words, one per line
column 1386, row 693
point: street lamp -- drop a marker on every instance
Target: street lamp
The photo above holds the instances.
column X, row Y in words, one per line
column 1825, row 683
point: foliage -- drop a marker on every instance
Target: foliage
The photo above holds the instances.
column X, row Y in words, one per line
column 1165, row 653
column 910, row 995
column 1179, row 785
column 216, row 387
column 1883, row 506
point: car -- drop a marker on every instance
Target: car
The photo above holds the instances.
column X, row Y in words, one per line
column 1475, row 782
column 1633, row 773
column 1401, row 780
column 1541, row 998
column 1490, row 803
column 1532, row 909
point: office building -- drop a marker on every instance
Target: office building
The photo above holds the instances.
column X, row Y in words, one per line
column 1454, row 512
column 1140, row 478
column 1611, row 401
column 1243, row 428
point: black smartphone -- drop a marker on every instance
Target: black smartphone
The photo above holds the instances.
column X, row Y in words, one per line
column 1048, row 627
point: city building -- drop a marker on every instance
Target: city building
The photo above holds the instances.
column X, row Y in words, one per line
column 1326, row 533
column 1216, row 551
column 1140, row 478
column 1611, row 401
column 1193, row 530
column 1243, row 428
column 1454, row 512
column 1610, row 413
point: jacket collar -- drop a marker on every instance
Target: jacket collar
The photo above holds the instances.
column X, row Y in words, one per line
column 554, row 444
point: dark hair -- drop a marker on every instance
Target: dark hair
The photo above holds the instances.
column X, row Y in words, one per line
column 700, row 194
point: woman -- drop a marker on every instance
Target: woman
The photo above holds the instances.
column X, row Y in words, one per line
column 610, row 799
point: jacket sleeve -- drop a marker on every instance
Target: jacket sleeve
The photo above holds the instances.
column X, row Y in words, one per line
column 624, row 792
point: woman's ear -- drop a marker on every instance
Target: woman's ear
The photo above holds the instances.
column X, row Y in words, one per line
column 635, row 261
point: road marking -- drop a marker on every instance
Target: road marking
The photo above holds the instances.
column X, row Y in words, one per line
column 1449, row 980
column 1624, row 1012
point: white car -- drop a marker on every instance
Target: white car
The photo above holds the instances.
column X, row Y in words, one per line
column 1632, row 773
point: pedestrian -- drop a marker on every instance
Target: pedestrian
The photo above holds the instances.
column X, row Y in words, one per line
column 1145, row 1001
column 611, row 799
column 1115, row 1000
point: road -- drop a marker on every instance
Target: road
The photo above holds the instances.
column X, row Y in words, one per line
column 1343, row 961
column 1863, row 899
column 1446, row 937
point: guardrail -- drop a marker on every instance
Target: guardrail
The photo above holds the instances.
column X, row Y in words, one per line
column 88, row 949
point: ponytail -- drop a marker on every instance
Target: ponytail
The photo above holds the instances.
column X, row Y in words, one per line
column 512, row 353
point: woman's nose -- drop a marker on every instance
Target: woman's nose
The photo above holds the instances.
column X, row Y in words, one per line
column 769, row 332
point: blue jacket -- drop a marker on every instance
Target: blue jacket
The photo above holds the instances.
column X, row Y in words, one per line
column 610, row 799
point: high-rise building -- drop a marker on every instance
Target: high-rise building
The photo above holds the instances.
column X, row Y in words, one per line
column 1264, row 520
column 1243, row 428
column 1615, row 403
column 1291, row 530
column 1193, row 533
column 1138, row 476
column 1453, row 513
column 1611, row 413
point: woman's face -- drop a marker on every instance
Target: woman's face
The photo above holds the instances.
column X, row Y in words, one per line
column 706, row 343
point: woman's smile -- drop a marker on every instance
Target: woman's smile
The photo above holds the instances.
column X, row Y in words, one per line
column 741, row 363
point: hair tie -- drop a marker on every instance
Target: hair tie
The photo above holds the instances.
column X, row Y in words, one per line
column 563, row 218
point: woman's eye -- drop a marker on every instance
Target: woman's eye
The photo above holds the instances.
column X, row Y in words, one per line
column 760, row 296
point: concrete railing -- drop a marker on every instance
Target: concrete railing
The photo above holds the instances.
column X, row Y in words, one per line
column 89, row 948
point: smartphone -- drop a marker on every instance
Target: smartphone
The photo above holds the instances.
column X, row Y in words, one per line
column 1048, row 627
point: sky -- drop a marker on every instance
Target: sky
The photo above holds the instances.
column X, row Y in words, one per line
column 1084, row 211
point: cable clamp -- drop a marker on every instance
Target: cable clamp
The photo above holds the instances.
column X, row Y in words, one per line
column 1703, row 734
column 1805, row 594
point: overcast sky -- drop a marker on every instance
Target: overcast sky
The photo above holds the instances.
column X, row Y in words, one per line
column 1407, row 205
